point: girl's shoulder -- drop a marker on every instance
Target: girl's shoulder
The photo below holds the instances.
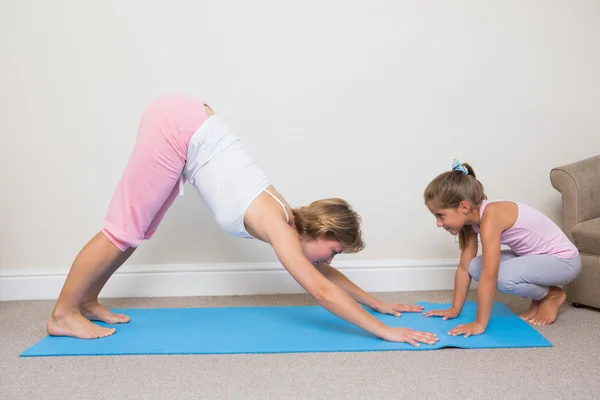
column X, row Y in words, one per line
column 501, row 213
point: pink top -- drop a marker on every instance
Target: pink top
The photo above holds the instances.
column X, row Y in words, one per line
column 534, row 233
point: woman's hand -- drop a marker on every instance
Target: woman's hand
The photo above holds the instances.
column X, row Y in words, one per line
column 409, row 336
column 396, row 309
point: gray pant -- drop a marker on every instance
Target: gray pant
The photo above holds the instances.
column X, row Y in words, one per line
column 530, row 276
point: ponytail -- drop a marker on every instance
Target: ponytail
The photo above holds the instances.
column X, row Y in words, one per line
column 449, row 188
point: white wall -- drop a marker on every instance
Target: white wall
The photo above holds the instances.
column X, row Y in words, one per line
column 363, row 100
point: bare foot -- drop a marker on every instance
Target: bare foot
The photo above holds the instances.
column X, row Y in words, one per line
column 97, row 312
column 549, row 306
column 533, row 309
column 75, row 325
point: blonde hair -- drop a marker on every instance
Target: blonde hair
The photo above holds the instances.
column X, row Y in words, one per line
column 332, row 219
column 450, row 188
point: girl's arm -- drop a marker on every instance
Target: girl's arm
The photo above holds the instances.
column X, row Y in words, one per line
column 462, row 281
column 490, row 246
column 462, row 278
column 496, row 218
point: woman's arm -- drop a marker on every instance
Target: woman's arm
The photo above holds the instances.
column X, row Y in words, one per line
column 361, row 296
column 265, row 221
column 287, row 247
column 350, row 287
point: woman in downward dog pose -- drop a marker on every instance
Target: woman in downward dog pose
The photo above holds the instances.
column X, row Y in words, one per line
column 541, row 258
column 180, row 138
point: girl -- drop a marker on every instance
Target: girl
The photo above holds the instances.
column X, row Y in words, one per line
column 541, row 257
column 180, row 138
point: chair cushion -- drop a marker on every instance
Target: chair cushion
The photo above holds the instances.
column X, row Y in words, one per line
column 586, row 236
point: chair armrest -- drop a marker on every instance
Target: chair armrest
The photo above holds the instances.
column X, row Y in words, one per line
column 579, row 185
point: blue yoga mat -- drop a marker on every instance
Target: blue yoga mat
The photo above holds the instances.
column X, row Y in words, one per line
column 234, row 330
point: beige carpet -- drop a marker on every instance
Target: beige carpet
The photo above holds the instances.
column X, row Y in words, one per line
column 569, row 370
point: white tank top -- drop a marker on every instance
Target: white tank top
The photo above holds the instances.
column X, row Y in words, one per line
column 224, row 176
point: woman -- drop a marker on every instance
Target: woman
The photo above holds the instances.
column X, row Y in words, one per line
column 181, row 138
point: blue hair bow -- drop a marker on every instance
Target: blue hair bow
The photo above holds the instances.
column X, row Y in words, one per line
column 457, row 166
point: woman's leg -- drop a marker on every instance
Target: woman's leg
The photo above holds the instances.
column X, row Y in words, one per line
column 94, row 259
column 91, row 308
column 95, row 311
column 140, row 201
column 538, row 277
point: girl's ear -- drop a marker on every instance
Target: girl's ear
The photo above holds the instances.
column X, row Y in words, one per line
column 464, row 207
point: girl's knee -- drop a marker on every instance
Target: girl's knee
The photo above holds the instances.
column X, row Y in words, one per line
column 475, row 268
column 505, row 284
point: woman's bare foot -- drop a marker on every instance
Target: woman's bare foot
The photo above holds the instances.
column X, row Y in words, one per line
column 75, row 325
column 549, row 306
column 533, row 309
column 95, row 311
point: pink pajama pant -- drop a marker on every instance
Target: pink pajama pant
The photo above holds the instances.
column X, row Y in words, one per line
column 150, row 182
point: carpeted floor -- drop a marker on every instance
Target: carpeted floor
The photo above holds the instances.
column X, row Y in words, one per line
column 569, row 370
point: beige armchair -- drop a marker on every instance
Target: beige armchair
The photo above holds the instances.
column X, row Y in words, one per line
column 579, row 185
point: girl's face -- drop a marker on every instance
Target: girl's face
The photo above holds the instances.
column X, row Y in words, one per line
column 451, row 219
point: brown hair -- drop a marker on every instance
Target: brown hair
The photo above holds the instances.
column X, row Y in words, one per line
column 450, row 188
column 332, row 219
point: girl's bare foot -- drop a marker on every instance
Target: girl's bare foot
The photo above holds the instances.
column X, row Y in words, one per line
column 75, row 325
column 95, row 311
column 533, row 309
column 549, row 306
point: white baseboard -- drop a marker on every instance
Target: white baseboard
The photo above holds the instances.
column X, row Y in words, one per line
column 230, row 279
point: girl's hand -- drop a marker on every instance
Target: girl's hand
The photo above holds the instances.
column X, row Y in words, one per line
column 445, row 314
column 396, row 309
column 409, row 336
column 474, row 328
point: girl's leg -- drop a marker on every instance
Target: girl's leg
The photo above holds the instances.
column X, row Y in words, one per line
column 476, row 263
column 505, row 255
column 538, row 277
column 143, row 193
column 532, row 311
